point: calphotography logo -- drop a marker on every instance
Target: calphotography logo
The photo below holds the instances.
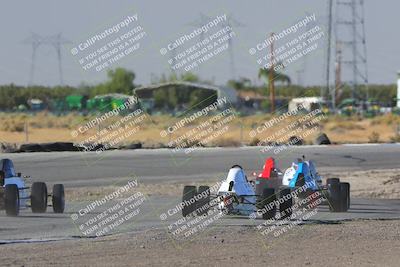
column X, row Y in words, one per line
column 107, row 47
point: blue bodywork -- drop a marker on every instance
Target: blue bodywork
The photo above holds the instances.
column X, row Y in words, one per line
column 11, row 177
column 309, row 173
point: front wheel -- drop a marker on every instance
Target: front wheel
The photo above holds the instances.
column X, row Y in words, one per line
column 58, row 198
column 39, row 197
column 203, row 204
column 11, row 200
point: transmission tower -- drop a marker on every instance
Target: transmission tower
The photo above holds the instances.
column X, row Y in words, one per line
column 232, row 23
column 302, row 70
column 55, row 41
column 199, row 23
column 35, row 40
column 350, row 45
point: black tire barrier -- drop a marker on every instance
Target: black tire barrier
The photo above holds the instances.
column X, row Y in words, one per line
column 295, row 141
column 322, row 139
column 48, row 147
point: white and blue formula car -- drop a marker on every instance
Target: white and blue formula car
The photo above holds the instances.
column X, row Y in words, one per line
column 235, row 196
column 270, row 193
column 14, row 192
column 303, row 173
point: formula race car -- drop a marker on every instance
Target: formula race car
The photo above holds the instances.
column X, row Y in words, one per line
column 303, row 174
column 303, row 179
column 272, row 192
column 14, row 193
column 236, row 195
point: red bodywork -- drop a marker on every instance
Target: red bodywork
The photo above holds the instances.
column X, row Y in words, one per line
column 269, row 167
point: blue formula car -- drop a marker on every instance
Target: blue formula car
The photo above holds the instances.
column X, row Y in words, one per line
column 14, row 192
column 303, row 174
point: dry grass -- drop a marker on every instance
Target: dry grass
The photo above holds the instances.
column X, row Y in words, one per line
column 44, row 127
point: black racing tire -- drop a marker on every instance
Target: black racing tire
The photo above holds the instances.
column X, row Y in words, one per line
column 39, row 197
column 266, row 203
column 203, row 204
column 58, row 198
column 11, row 200
column 332, row 181
column 285, row 208
column 334, row 199
column 345, row 196
column 189, row 192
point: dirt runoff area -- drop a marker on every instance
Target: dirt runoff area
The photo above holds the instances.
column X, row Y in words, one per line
column 355, row 243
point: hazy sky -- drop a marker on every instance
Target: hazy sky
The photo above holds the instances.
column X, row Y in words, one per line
column 164, row 21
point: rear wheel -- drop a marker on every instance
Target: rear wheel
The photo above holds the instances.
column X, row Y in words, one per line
column 266, row 203
column 339, row 197
column 203, row 204
column 345, row 196
column 285, row 208
column 332, row 181
column 189, row 203
column 11, row 200
column 334, row 197
column 39, row 197
column 58, row 198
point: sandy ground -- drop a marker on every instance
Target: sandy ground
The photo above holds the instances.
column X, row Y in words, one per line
column 48, row 128
column 372, row 183
column 366, row 184
column 357, row 243
column 354, row 243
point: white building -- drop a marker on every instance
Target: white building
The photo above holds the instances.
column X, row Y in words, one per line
column 309, row 103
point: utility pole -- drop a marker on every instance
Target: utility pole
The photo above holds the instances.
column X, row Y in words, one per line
column 271, row 76
column 338, row 72
column 329, row 54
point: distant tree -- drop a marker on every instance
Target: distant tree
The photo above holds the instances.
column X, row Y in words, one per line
column 240, row 84
column 189, row 77
column 201, row 98
column 120, row 81
column 265, row 105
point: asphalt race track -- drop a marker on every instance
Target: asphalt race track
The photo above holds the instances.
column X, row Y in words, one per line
column 76, row 169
